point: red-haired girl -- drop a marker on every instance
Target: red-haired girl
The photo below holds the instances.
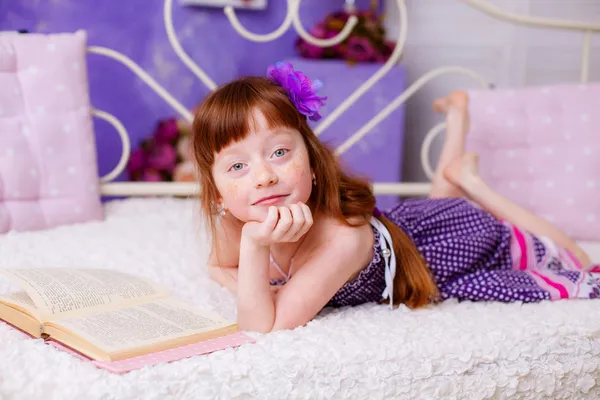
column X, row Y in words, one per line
column 294, row 233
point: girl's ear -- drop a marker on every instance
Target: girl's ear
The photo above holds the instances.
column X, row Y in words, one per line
column 217, row 205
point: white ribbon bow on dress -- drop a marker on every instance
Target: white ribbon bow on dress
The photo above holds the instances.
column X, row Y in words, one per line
column 389, row 258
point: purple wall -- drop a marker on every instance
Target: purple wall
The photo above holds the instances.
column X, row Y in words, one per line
column 135, row 28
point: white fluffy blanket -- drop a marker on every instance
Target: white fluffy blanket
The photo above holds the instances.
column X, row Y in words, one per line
column 450, row 351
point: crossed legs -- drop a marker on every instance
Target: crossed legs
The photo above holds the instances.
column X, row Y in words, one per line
column 457, row 175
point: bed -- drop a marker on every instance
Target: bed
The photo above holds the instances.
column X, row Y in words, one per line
column 451, row 351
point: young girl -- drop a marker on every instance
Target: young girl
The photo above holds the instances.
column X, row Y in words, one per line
column 294, row 233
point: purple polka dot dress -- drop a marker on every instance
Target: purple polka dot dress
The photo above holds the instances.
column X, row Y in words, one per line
column 473, row 256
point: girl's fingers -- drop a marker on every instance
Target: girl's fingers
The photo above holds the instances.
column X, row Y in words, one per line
column 283, row 225
column 302, row 222
column 298, row 221
column 308, row 219
column 271, row 221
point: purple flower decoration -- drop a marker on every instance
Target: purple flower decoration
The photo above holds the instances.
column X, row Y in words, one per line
column 360, row 49
column 311, row 51
column 166, row 131
column 137, row 162
column 301, row 91
column 151, row 175
column 163, row 157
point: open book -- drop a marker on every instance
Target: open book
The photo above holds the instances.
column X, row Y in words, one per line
column 105, row 315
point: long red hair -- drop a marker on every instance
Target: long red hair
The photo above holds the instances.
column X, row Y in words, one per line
column 223, row 118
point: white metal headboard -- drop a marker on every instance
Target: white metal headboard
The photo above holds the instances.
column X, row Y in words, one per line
column 110, row 188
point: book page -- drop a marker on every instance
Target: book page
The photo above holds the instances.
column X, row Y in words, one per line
column 65, row 292
column 21, row 299
column 142, row 325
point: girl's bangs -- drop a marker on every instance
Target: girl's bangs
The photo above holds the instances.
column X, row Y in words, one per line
column 230, row 117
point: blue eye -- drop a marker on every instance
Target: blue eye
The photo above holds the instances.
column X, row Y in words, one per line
column 280, row 152
column 236, row 167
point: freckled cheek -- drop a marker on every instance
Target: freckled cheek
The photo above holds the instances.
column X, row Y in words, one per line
column 232, row 189
column 297, row 171
column 227, row 189
column 235, row 192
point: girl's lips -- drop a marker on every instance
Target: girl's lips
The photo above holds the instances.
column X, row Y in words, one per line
column 270, row 200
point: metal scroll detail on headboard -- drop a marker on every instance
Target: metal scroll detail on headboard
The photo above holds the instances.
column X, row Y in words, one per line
column 292, row 19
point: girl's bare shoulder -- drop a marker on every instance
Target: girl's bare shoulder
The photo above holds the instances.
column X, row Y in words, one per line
column 356, row 238
column 357, row 227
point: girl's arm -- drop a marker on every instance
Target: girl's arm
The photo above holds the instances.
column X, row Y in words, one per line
column 309, row 289
column 228, row 278
column 255, row 303
column 224, row 268
column 223, row 259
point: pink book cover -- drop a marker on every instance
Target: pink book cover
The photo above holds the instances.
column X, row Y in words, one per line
column 178, row 353
column 129, row 364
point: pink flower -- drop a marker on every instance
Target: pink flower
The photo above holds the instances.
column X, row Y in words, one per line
column 137, row 161
column 162, row 157
column 166, row 131
column 318, row 31
column 185, row 172
column 388, row 48
column 310, row 51
column 360, row 49
column 151, row 175
column 184, row 149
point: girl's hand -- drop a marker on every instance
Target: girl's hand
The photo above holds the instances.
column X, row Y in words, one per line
column 282, row 224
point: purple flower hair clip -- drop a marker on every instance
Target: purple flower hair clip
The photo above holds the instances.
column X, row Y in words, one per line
column 301, row 91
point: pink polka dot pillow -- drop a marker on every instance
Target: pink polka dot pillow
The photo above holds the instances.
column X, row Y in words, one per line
column 540, row 146
column 48, row 173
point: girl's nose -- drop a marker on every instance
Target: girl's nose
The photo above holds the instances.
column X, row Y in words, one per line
column 265, row 176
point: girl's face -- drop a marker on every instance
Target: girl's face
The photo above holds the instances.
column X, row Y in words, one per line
column 268, row 167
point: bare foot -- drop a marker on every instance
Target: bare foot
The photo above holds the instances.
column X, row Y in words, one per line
column 455, row 106
column 464, row 173
column 458, row 99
